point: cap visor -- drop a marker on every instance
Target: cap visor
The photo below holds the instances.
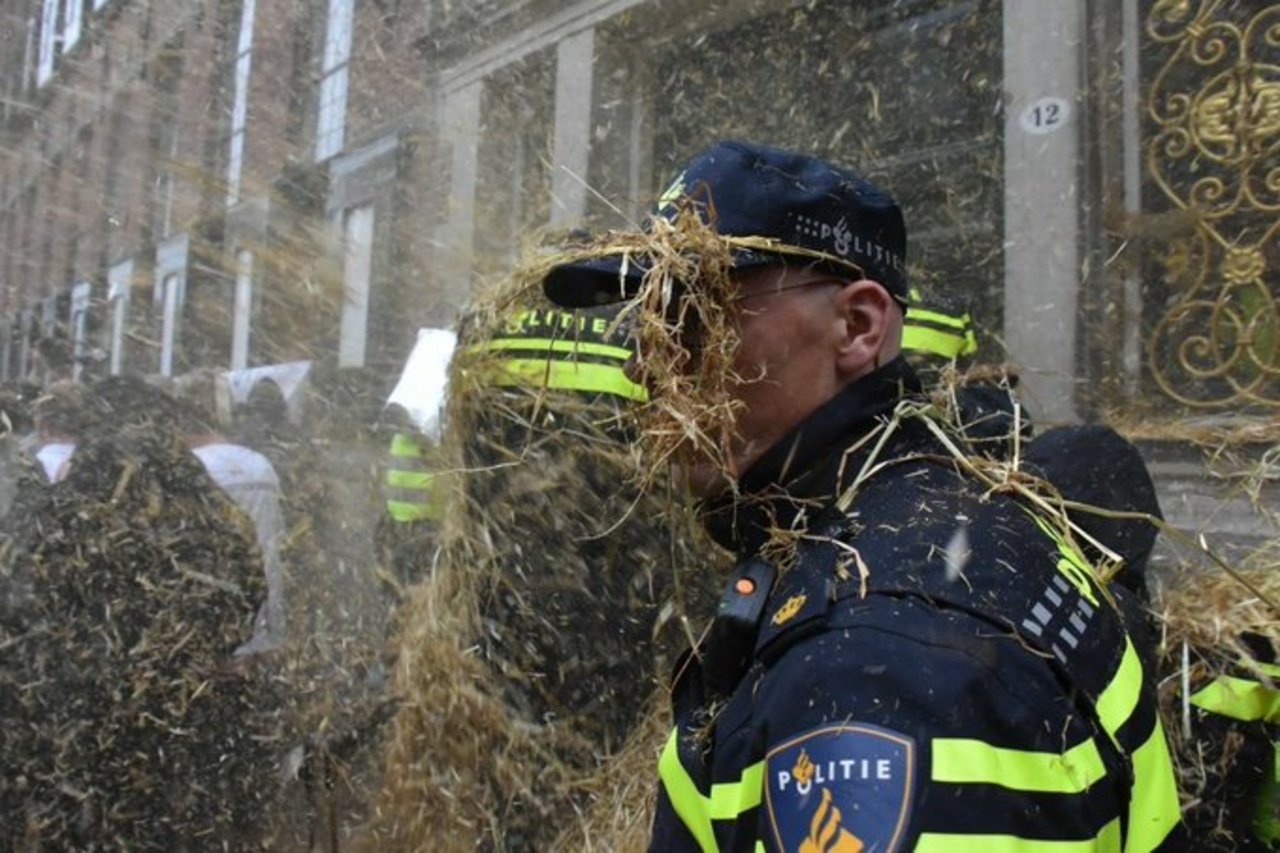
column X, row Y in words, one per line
column 598, row 281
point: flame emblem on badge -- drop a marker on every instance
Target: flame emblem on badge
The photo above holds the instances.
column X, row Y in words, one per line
column 803, row 771
column 826, row 835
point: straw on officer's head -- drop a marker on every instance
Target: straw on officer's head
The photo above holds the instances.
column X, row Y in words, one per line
column 742, row 220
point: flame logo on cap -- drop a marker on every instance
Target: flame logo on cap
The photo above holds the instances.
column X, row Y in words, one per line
column 842, row 236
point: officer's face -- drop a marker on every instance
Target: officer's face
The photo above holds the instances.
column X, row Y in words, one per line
column 789, row 328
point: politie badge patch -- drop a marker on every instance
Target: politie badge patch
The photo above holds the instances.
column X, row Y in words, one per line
column 841, row 789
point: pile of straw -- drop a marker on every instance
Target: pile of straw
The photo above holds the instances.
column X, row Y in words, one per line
column 128, row 586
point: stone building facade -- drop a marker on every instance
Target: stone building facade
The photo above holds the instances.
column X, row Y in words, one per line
column 244, row 182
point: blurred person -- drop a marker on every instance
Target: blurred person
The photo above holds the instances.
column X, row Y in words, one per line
column 62, row 416
column 414, row 489
column 17, row 437
column 1232, row 746
column 903, row 658
column 250, row 480
column 262, row 421
column 123, row 723
column 555, row 595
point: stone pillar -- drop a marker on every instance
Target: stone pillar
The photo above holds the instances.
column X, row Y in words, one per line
column 461, row 131
column 1043, row 55
column 575, row 55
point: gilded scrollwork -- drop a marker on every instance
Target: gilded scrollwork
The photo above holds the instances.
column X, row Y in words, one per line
column 1215, row 109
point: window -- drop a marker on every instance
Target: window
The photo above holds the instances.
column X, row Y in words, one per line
column 169, row 333
column 171, row 284
column 240, row 103
column 72, row 24
column 357, row 270
column 80, row 302
column 166, row 128
column 242, row 310
column 6, row 348
column 119, row 284
column 29, row 56
column 26, row 320
column 48, row 41
column 331, row 117
column 46, row 329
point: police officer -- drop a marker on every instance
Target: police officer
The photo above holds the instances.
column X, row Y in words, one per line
column 537, row 394
column 937, row 668
column 1235, row 745
column 413, row 487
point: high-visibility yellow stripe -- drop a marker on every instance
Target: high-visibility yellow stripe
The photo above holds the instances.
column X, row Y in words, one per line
column 1240, row 699
column 404, row 446
column 1120, row 698
column 1153, row 797
column 966, row 761
column 557, row 345
column 397, row 479
column 728, row 800
column 1153, row 803
column 915, row 312
column 569, row 376
column 1107, row 841
column 937, row 342
column 403, row 511
column 689, row 804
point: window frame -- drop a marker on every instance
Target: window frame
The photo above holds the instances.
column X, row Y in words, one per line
column 242, row 72
column 331, row 109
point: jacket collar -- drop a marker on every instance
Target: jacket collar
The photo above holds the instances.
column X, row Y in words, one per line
column 804, row 468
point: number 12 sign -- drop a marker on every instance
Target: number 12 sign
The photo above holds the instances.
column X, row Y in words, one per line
column 1044, row 115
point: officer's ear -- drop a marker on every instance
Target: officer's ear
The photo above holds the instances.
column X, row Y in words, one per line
column 870, row 321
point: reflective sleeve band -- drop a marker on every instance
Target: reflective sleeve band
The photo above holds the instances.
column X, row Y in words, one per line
column 1106, row 841
column 937, row 342
column 403, row 511
column 568, row 345
column 404, row 446
column 1120, row 698
column 1153, row 797
column 689, row 804
column 397, row 479
column 961, row 761
column 730, row 799
column 915, row 312
column 569, row 376
column 1154, row 809
column 1240, row 699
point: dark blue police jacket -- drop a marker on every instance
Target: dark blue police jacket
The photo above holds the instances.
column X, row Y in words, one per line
column 934, row 667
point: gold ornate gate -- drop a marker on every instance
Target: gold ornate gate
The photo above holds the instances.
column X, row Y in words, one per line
column 1212, row 159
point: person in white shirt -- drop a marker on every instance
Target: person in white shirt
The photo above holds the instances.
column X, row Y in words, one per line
column 62, row 415
column 251, row 482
